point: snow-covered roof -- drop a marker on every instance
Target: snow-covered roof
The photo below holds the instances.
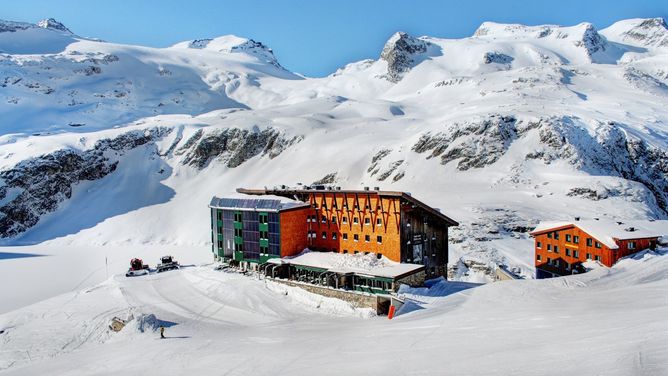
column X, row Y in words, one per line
column 272, row 203
column 606, row 231
column 359, row 264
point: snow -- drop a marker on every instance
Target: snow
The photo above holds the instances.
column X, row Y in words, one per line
column 607, row 231
column 60, row 91
column 218, row 322
column 364, row 264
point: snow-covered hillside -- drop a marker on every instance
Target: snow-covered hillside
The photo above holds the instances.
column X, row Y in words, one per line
column 605, row 322
column 108, row 144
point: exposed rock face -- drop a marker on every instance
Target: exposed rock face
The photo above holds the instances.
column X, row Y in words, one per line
column 52, row 24
column 233, row 146
column 591, row 40
column 497, row 58
column 609, row 152
column 649, row 32
column 476, row 144
column 646, row 82
column 327, row 179
column 37, row 186
column 260, row 50
column 399, row 53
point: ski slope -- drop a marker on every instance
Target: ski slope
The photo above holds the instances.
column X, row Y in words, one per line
column 606, row 322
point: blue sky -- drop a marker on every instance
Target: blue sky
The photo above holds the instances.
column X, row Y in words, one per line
column 312, row 37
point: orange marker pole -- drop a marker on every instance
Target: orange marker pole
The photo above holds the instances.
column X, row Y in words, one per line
column 390, row 313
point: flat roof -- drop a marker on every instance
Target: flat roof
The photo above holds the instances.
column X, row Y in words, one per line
column 288, row 192
column 274, row 204
column 359, row 264
column 606, row 231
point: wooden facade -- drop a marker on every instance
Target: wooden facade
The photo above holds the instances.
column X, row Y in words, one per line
column 392, row 224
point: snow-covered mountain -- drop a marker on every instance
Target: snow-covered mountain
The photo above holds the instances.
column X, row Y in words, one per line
column 103, row 143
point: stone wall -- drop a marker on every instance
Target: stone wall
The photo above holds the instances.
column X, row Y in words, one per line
column 357, row 299
column 413, row 280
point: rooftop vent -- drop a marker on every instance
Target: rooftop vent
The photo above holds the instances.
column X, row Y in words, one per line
column 620, row 223
column 577, row 218
column 376, row 188
column 366, row 188
column 338, row 188
column 630, row 229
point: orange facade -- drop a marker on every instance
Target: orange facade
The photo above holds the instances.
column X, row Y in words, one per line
column 354, row 223
column 561, row 250
column 292, row 230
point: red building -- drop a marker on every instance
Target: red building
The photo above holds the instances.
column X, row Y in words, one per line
column 562, row 247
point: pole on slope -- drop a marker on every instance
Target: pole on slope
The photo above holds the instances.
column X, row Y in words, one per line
column 106, row 268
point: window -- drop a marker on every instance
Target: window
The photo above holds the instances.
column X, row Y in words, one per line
column 324, row 235
column 239, row 247
column 344, row 220
column 589, row 242
column 576, row 254
column 345, row 251
column 356, row 252
column 237, row 232
column 323, row 219
column 220, row 244
column 356, row 237
column 264, row 219
column 568, row 266
column 379, row 222
column 333, row 236
column 631, row 245
column 538, row 245
column 220, row 230
column 556, row 249
column 237, row 217
column 549, row 261
column 333, row 219
column 379, row 239
column 568, row 238
column 367, row 238
column 556, row 235
column 356, row 220
column 597, row 258
column 597, row 244
column 367, row 221
column 588, row 256
column 549, row 248
column 576, row 239
column 538, row 257
column 220, row 215
column 345, row 236
column 568, row 252
column 556, row 263
column 549, row 235
column 264, row 234
column 264, row 250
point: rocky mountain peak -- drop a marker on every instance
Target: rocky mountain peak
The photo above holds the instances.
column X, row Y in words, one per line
column 591, row 40
column 649, row 32
column 50, row 23
column 399, row 52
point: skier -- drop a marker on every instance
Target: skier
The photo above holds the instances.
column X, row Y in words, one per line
column 162, row 332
